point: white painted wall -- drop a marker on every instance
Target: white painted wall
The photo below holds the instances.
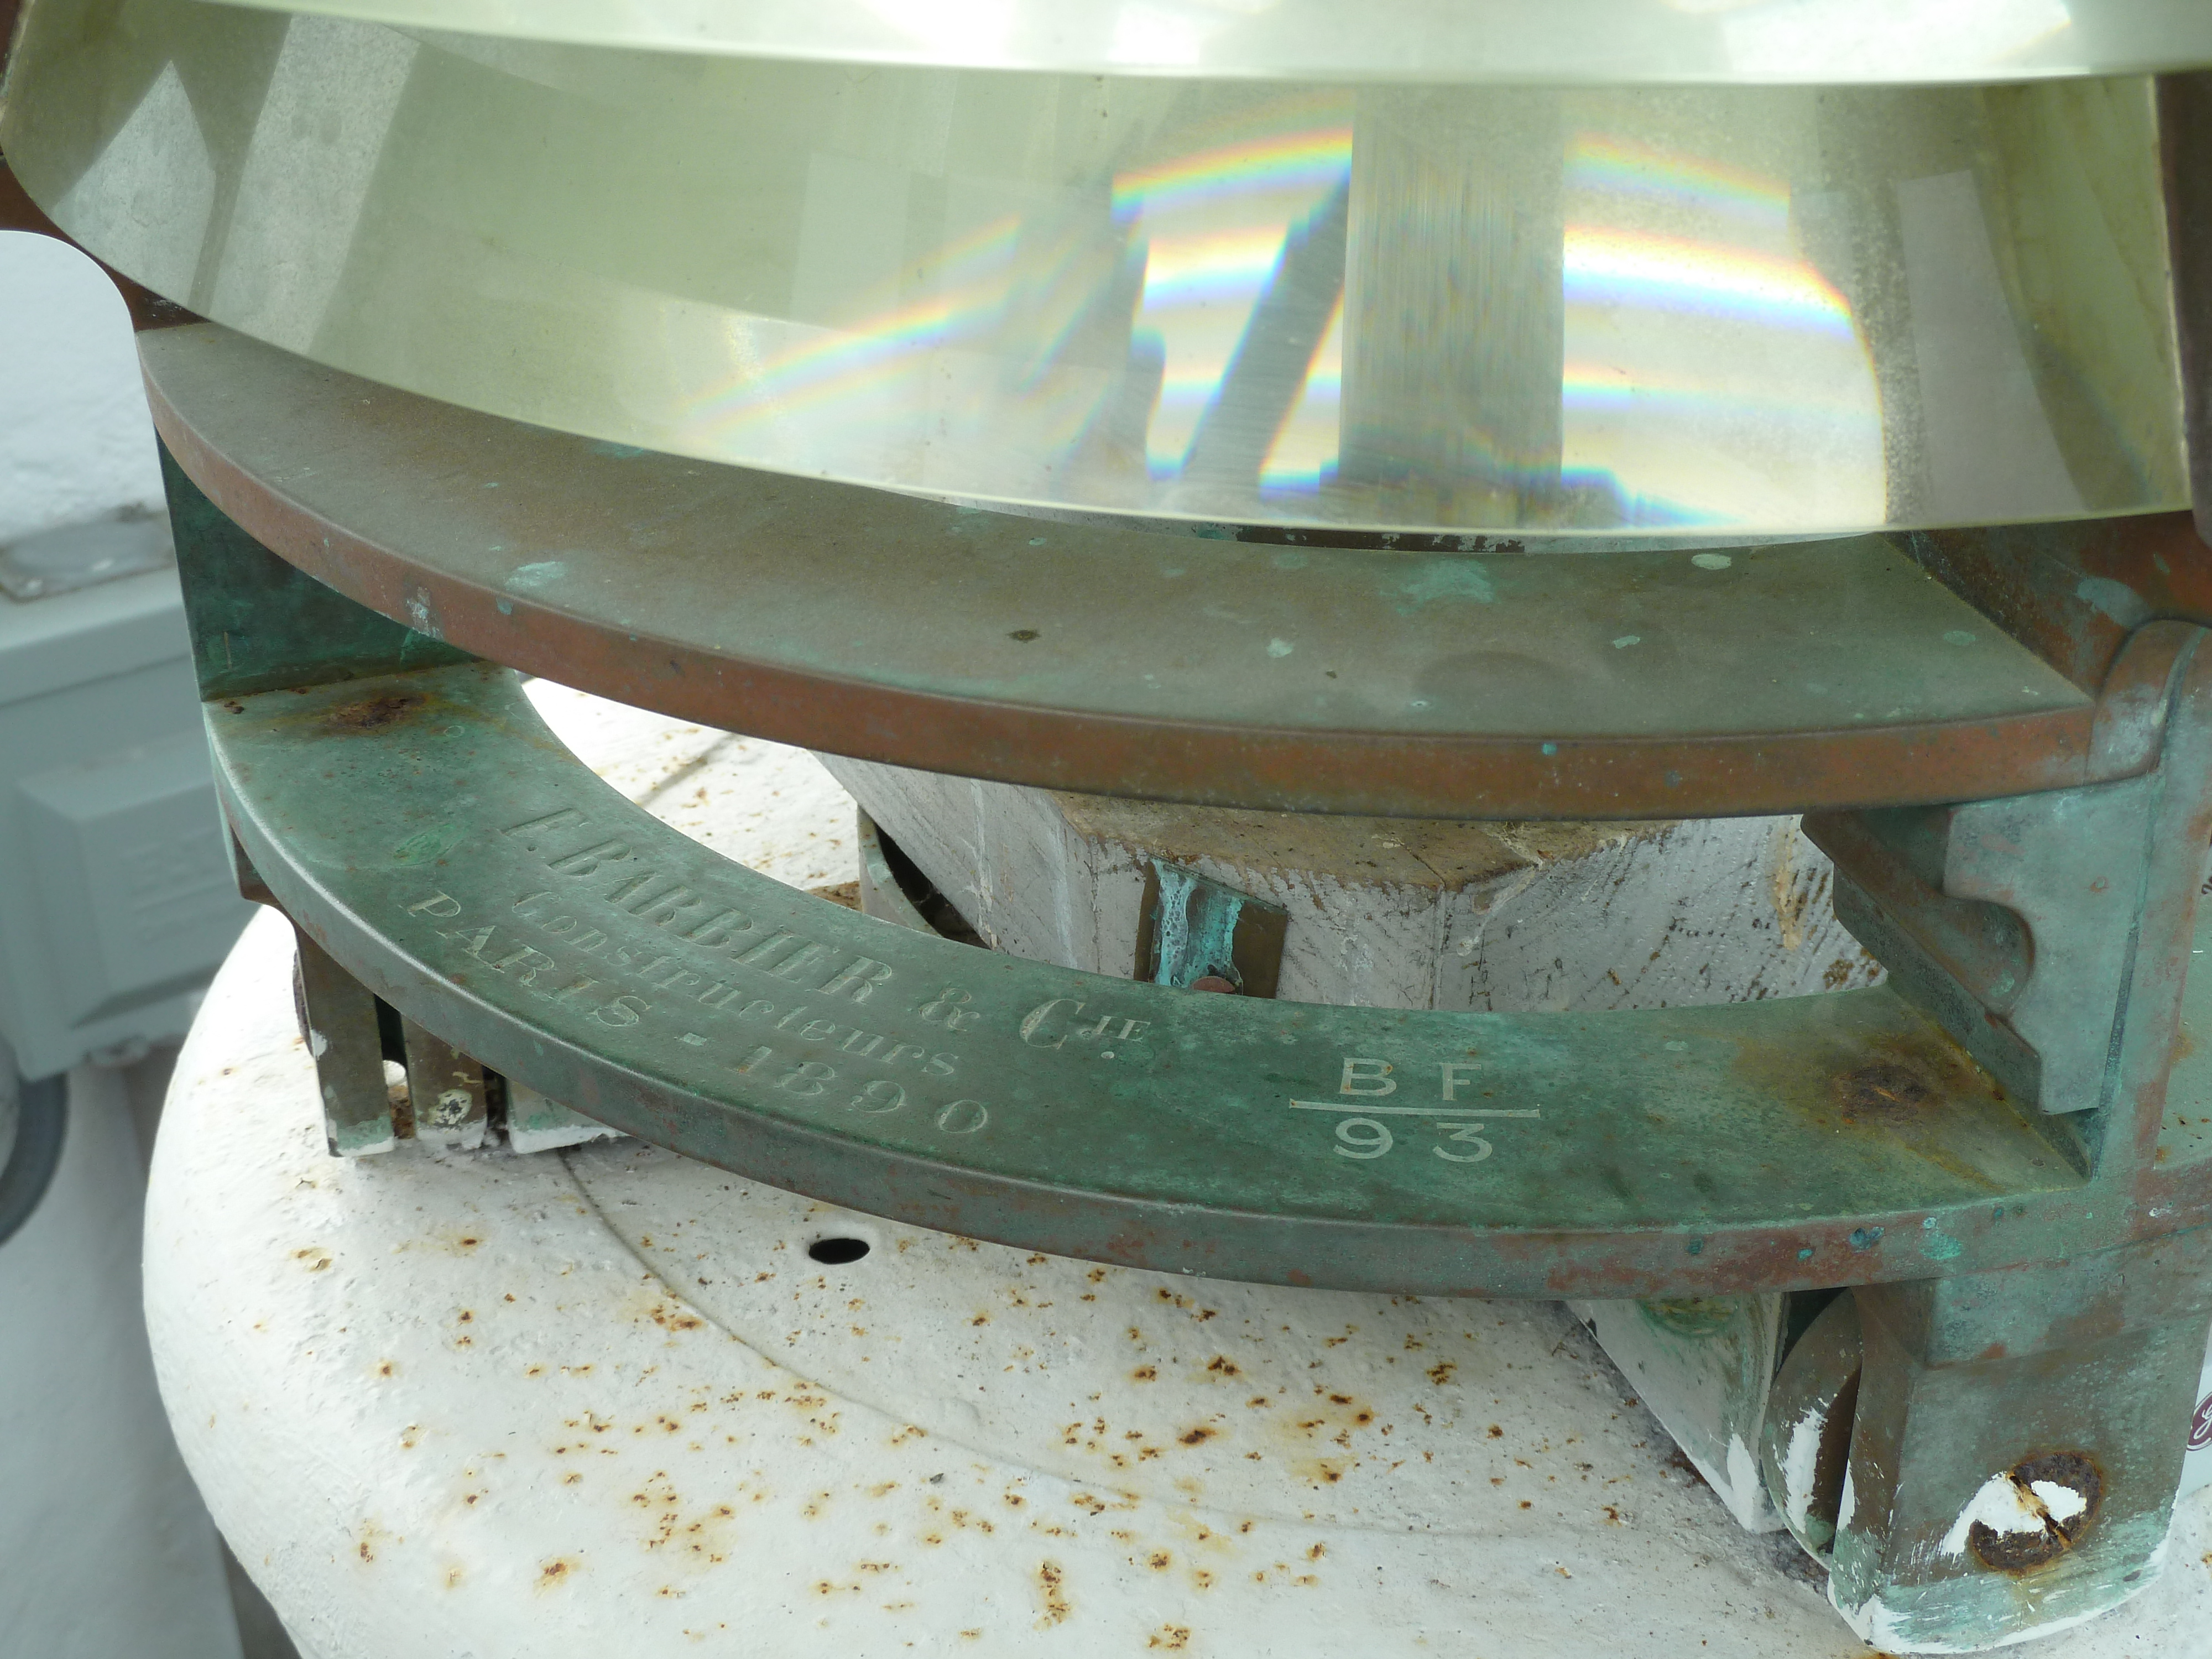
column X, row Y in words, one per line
column 105, row 1549
column 75, row 440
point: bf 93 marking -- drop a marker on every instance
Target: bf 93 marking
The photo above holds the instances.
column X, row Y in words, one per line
column 1361, row 1133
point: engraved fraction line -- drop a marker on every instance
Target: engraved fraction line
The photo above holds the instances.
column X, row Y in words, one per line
column 1351, row 1109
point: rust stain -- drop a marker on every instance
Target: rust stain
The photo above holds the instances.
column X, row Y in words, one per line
column 554, row 1572
column 372, row 712
column 1883, row 1092
column 1173, row 1638
column 1057, row 1607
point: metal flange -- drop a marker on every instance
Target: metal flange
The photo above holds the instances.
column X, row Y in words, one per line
column 1653, row 684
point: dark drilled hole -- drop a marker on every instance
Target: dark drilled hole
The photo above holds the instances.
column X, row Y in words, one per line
column 837, row 1252
column 2019, row 1552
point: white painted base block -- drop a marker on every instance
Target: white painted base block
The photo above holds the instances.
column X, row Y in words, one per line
column 601, row 1402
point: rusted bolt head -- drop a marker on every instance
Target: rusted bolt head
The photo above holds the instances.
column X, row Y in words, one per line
column 1213, row 982
column 2065, row 1488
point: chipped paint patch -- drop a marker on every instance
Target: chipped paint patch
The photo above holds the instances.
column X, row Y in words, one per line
column 2001, row 1505
column 1801, row 1460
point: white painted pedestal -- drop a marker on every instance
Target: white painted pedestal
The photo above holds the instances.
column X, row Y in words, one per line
column 601, row 1402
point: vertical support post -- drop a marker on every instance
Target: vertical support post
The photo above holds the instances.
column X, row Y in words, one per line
column 1705, row 1367
column 2050, row 934
column 338, row 1020
column 451, row 1092
column 2017, row 1442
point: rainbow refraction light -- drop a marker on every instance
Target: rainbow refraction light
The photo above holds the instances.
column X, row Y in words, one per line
column 1484, row 310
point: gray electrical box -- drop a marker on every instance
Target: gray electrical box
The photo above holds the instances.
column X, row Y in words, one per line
column 116, row 898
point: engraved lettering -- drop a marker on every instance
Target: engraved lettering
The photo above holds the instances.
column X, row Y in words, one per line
column 562, row 995
column 661, row 909
column 1469, row 1134
column 590, row 939
column 852, row 1037
column 719, row 995
column 522, row 906
column 900, row 1050
column 717, row 929
column 528, row 960
column 817, row 1030
column 1037, row 1016
column 567, row 818
column 757, row 1007
column 801, row 962
column 618, row 894
column 623, row 1010
column 560, row 926
column 1361, row 1131
column 1455, row 1072
column 768, row 947
column 584, row 863
column 674, row 977
column 809, row 1077
column 783, row 1024
column 939, row 1065
column 880, row 1096
column 1368, row 1077
column 860, row 976
column 1362, row 1138
column 1095, row 1031
column 472, row 942
column 754, row 1061
column 1131, row 1028
column 949, row 1008
column 962, row 1117
column 624, row 957
column 443, row 906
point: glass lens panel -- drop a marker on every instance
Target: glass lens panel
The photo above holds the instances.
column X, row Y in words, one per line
column 1614, row 41
column 1479, row 310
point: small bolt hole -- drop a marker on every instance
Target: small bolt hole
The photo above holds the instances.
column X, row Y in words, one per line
column 837, row 1252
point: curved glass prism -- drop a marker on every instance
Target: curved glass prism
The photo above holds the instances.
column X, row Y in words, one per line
column 1486, row 311
column 1614, row 42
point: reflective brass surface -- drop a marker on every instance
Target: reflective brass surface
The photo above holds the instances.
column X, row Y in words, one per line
column 1705, row 311
column 1883, row 42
